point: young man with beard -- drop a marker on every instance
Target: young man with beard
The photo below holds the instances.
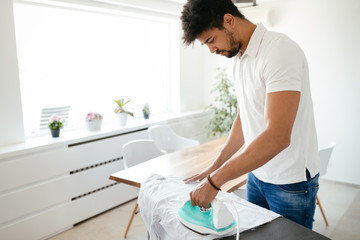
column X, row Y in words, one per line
column 275, row 120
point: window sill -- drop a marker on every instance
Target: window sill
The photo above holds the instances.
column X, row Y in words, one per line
column 34, row 144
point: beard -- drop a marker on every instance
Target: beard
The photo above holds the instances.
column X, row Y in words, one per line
column 234, row 46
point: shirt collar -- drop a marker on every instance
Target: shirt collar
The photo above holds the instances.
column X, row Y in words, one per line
column 255, row 41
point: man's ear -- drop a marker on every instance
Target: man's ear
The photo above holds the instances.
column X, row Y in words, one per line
column 229, row 21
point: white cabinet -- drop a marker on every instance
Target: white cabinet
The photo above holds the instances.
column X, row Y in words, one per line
column 45, row 192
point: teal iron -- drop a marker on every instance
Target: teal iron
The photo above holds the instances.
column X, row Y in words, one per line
column 216, row 219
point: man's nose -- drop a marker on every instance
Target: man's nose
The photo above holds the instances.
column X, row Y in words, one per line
column 212, row 48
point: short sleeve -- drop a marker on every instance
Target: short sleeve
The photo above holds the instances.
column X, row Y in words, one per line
column 284, row 67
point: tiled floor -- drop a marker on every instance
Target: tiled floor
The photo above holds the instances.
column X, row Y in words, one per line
column 108, row 226
column 341, row 203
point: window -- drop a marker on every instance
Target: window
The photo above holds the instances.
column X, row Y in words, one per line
column 86, row 59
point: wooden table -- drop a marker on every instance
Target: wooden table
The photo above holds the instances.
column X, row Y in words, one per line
column 184, row 163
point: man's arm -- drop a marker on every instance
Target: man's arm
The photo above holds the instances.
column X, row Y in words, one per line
column 280, row 113
column 233, row 143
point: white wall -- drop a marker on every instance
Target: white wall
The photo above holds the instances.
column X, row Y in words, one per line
column 11, row 121
column 192, row 80
column 329, row 33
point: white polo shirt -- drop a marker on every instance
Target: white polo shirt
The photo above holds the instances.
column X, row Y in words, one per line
column 273, row 62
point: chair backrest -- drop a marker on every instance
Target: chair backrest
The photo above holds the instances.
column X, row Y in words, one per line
column 138, row 151
column 166, row 139
column 325, row 155
column 46, row 113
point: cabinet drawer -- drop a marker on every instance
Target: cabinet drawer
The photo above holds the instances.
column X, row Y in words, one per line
column 50, row 221
column 58, row 162
column 55, row 191
column 85, row 154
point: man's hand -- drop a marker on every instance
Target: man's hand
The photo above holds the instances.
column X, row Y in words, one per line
column 203, row 195
column 202, row 175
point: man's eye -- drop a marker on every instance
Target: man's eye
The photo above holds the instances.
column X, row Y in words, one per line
column 211, row 40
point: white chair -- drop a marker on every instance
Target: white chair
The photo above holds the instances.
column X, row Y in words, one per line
column 46, row 113
column 324, row 155
column 168, row 141
column 135, row 152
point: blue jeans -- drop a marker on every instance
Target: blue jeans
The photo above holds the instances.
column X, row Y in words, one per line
column 295, row 201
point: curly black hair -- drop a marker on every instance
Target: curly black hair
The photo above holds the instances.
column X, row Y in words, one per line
column 200, row 15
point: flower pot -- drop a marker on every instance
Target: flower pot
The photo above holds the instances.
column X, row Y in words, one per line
column 93, row 126
column 123, row 117
column 55, row 133
column 146, row 115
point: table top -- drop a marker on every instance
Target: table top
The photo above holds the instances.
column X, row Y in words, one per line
column 184, row 163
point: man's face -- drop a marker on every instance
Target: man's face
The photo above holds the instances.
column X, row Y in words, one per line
column 220, row 41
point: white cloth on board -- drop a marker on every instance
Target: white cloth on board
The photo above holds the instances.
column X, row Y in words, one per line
column 161, row 197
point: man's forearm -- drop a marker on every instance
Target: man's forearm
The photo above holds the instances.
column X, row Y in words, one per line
column 251, row 158
column 233, row 143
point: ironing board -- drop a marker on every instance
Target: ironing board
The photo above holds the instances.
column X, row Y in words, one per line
column 280, row 228
column 184, row 163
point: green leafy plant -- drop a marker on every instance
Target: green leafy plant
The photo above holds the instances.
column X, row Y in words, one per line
column 224, row 108
column 121, row 107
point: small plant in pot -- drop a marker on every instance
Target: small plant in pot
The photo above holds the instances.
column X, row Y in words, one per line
column 122, row 112
column 93, row 121
column 55, row 124
column 146, row 111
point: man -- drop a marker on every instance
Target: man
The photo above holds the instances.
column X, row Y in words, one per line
column 275, row 121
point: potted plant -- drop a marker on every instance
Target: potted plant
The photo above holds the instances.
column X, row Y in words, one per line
column 55, row 124
column 122, row 112
column 146, row 111
column 225, row 107
column 93, row 121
